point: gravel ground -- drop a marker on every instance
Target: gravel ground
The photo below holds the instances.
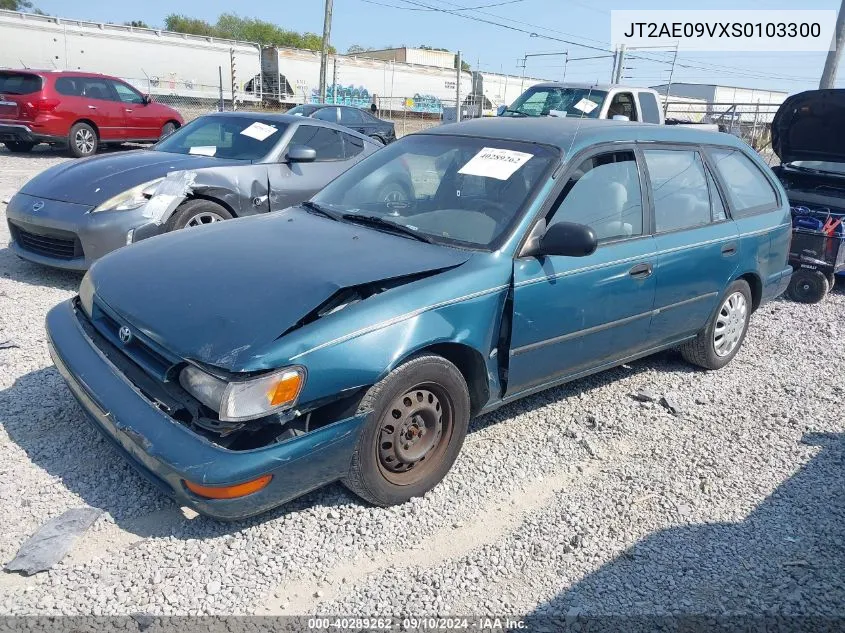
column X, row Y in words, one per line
column 577, row 500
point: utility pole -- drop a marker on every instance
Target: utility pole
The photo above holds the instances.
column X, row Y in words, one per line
column 830, row 65
column 615, row 60
column 620, row 62
column 324, row 55
column 234, row 73
column 458, row 89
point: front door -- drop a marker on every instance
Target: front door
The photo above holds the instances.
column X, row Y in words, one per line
column 574, row 315
column 697, row 244
column 140, row 122
column 353, row 119
column 292, row 183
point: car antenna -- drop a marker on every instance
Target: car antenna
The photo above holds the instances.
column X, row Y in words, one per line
column 22, row 64
column 578, row 129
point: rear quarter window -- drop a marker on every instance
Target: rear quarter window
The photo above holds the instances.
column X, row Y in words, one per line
column 650, row 109
column 748, row 189
column 19, row 83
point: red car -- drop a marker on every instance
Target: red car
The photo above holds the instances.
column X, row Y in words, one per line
column 77, row 109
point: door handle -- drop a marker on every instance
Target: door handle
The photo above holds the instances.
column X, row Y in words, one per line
column 729, row 249
column 128, row 110
column 641, row 271
column 92, row 107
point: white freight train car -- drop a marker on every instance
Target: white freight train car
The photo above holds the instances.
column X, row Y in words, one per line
column 156, row 62
column 292, row 76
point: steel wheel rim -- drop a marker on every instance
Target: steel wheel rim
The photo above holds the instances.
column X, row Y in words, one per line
column 84, row 140
column 730, row 324
column 206, row 217
column 414, row 433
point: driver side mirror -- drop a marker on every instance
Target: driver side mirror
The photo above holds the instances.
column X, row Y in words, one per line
column 566, row 239
column 501, row 110
column 301, row 154
column 147, row 99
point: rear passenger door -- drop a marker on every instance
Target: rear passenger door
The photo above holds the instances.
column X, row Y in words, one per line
column 102, row 106
column 292, row 183
column 697, row 243
column 352, row 118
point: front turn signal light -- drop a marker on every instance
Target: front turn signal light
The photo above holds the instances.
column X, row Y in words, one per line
column 229, row 492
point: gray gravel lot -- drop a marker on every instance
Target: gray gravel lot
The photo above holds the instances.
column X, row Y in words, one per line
column 577, row 500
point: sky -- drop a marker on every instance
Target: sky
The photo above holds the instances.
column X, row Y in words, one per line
column 581, row 23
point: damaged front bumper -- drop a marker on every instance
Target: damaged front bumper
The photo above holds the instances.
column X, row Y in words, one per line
column 167, row 453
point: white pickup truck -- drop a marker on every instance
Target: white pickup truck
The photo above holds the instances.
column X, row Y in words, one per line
column 593, row 101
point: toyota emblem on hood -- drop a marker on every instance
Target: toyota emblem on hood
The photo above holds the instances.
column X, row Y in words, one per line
column 39, row 204
column 124, row 334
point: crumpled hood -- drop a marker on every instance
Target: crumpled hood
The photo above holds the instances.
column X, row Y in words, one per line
column 811, row 126
column 92, row 181
column 216, row 292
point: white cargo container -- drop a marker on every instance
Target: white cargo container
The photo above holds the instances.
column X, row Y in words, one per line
column 292, row 75
column 156, row 62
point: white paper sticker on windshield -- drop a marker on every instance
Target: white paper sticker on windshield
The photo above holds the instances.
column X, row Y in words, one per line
column 586, row 106
column 495, row 163
column 558, row 113
column 259, row 131
column 203, row 150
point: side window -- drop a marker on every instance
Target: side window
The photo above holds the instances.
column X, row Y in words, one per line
column 748, row 190
column 326, row 114
column 96, row 89
column 650, row 109
column 350, row 116
column 127, row 94
column 327, row 143
column 604, row 193
column 68, row 86
column 679, row 186
column 353, row 145
column 623, row 103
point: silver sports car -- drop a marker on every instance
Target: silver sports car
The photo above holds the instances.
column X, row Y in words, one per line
column 216, row 167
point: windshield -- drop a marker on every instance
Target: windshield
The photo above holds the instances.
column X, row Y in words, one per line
column 449, row 189
column 232, row 137
column 539, row 101
column 820, row 165
column 12, row 83
column 302, row 110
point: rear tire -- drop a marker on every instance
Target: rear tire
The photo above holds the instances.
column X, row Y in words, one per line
column 808, row 286
column 19, row 147
column 417, row 422
column 168, row 129
column 83, row 140
column 195, row 213
column 717, row 344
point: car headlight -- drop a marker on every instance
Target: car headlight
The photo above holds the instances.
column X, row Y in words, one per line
column 247, row 399
column 86, row 294
column 131, row 198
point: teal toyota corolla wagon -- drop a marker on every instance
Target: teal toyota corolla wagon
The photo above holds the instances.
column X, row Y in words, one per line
column 352, row 337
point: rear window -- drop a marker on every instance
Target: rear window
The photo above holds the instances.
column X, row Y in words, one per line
column 19, row 83
column 651, row 111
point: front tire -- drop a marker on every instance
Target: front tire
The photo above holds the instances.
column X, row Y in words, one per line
column 83, row 140
column 717, row 344
column 418, row 419
column 195, row 213
column 19, row 147
column 808, row 286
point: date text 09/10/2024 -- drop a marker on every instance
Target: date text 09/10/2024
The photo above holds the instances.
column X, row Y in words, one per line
column 416, row 623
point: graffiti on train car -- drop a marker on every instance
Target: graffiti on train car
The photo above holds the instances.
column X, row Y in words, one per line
column 360, row 97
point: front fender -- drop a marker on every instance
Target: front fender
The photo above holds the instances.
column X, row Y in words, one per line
column 362, row 359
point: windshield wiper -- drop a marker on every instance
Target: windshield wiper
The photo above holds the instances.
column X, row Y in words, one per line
column 381, row 223
column 320, row 210
column 520, row 113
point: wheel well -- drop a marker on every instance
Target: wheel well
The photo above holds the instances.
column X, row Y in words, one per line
column 471, row 364
column 91, row 123
column 199, row 196
column 174, row 122
column 756, row 286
